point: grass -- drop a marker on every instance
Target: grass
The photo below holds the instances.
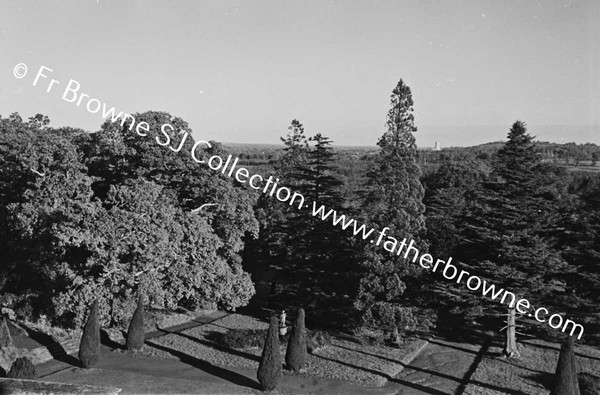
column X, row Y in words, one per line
column 532, row 373
column 345, row 360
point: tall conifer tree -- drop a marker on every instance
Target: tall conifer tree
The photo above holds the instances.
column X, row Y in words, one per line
column 509, row 229
column 394, row 199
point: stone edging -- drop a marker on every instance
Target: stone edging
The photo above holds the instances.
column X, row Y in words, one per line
column 19, row 386
column 411, row 356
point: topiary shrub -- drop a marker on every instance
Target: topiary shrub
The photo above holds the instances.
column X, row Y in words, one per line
column 5, row 337
column 565, row 378
column 136, row 333
column 295, row 356
column 317, row 340
column 22, row 368
column 269, row 370
column 89, row 347
column 589, row 384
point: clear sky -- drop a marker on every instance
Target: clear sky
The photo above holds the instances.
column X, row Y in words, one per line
column 240, row 71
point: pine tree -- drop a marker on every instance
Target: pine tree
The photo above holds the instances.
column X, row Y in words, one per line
column 269, row 372
column 318, row 242
column 296, row 353
column 508, row 235
column 89, row 347
column 136, row 333
column 5, row 337
column 565, row 378
column 394, row 199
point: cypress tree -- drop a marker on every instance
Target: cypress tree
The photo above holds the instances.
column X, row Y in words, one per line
column 89, row 347
column 5, row 337
column 22, row 368
column 565, row 378
column 295, row 356
column 269, row 370
column 136, row 334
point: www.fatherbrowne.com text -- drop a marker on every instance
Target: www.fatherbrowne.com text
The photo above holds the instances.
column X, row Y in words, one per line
column 405, row 248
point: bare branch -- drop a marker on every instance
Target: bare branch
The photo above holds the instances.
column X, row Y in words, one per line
column 37, row 172
column 194, row 211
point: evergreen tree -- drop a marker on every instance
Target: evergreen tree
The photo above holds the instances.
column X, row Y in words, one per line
column 269, row 372
column 136, row 333
column 565, row 378
column 508, row 238
column 273, row 248
column 22, row 368
column 296, row 353
column 394, row 199
column 317, row 242
column 89, row 347
column 296, row 147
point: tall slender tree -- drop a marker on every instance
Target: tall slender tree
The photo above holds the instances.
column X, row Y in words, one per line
column 269, row 372
column 394, row 199
column 89, row 347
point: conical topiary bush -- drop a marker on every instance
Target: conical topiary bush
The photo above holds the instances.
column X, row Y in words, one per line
column 296, row 354
column 269, row 370
column 22, row 368
column 565, row 378
column 89, row 348
column 136, row 333
column 5, row 337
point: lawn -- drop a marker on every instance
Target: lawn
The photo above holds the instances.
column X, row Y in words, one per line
column 532, row 373
column 345, row 360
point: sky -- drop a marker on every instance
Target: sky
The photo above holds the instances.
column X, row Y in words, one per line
column 241, row 71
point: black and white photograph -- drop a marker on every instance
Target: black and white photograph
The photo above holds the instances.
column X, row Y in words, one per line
column 353, row 197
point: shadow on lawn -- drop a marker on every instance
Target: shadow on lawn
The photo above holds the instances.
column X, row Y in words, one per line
column 107, row 341
column 464, row 381
column 54, row 348
column 209, row 368
column 545, row 379
column 215, row 346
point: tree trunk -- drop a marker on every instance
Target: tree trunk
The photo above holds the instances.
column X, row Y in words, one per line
column 510, row 346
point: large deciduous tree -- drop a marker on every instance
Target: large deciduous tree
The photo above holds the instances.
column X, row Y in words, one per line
column 109, row 215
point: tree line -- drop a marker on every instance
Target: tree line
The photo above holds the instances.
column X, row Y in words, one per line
column 108, row 215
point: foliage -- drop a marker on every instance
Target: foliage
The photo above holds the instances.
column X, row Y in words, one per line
column 136, row 333
column 317, row 340
column 107, row 215
column 295, row 356
column 241, row 338
column 22, row 368
column 269, row 372
column 89, row 347
column 511, row 224
column 394, row 199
